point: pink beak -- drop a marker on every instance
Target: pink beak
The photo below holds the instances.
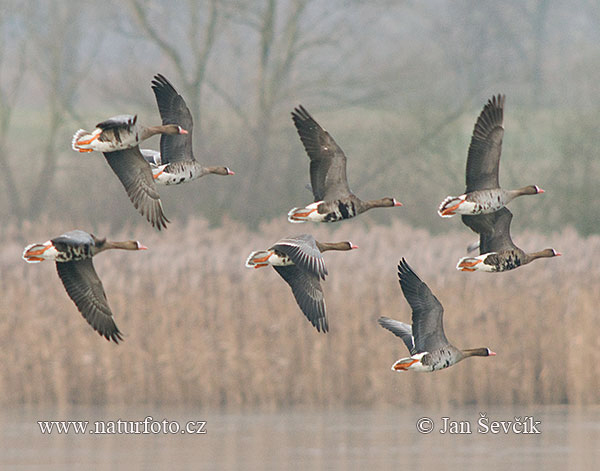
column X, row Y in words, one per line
column 230, row 172
column 492, row 354
column 141, row 247
column 397, row 203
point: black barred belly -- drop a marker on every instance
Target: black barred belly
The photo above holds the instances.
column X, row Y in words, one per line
column 504, row 261
column 341, row 211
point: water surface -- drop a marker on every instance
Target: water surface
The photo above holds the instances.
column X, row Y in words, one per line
column 303, row 439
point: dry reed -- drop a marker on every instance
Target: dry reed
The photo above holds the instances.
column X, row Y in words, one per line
column 202, row 329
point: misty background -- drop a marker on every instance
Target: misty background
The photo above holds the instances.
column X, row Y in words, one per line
column 399, row 85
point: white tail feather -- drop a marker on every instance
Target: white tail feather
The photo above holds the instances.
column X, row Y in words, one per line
column 77, row 137
column 448, row 202
column 32, row 258
column 293, row 212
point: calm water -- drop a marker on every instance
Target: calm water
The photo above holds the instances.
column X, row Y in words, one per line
column 301, row 439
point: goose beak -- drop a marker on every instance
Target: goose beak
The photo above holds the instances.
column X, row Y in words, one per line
column 492, row 354
column 353, row 246
column 539, row 190
column 141, row 247
column 397, row 203
column 230, row 172
column 182, row 131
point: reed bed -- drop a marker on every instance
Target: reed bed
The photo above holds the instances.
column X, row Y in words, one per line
column 202, row 329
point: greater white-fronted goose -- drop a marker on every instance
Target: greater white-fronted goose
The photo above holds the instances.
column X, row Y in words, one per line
column 135, row 174
column 119, row 133
column 333, row 199
column 483, row 194
column 73, row 252
column 176, row 162
column 299, row 262
column 498, row 251
column 425, row 339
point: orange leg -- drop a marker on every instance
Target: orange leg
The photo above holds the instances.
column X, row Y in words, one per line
column 34, row 259
column 85, row 150
column 404, row 366
column 450, row 211
column 261, row 265
column 262, row 259
column 89, row 141
column 469, row 264
column 158, row 174
column 37, row 252
column 303, row 215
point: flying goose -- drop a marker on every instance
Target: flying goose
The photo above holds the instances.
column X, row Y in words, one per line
column 73, row 252
column 425, row 339
column 299, row 262
column 119, row 133
column 483, row 194
column 497, row 250
column 176, row 162
column 133, row 171
column 333, row 199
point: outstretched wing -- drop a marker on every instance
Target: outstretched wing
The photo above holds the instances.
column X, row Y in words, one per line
column 483, row 160
column 173, row 110
column 136, row 176
column 303, row 251
column 327, row 160
column 400, row 329
column 480, row 223
column 85, row 289
column 499, row 239
column 427, row 311
column 306, row 288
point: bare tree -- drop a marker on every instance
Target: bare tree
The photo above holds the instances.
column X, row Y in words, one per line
column 63, row 58
column 191, row 59
column 13, row 68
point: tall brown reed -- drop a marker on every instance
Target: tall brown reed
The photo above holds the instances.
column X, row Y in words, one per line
column 202, row 329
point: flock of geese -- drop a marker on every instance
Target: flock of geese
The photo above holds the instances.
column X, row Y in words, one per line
column 297, row 259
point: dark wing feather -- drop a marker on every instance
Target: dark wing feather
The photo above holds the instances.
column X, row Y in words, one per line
column 400, row 329
column 486, row 146
column 499, row 239
column 480, row 223
column 303, row 251
column 327, row 160
column 85, row 289
column 308, row 293
column 136, row 176
column 427, row 311
column 173, row 110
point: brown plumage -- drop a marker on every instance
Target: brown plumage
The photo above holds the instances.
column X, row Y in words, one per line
column 73, row 252
column 333, row 200
column 299, row 262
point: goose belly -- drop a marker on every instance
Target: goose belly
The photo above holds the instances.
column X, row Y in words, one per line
column 172, row 175
column 338, row 210
column 485, row 201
